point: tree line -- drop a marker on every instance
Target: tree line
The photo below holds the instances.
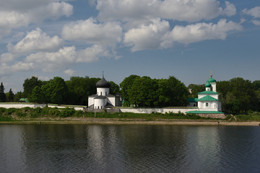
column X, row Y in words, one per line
column 237, row 95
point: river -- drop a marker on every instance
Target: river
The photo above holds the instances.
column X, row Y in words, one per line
column 128, row 148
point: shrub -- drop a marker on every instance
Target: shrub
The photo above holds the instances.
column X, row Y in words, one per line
column 67, row 112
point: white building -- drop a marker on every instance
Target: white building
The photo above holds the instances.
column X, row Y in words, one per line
column 208, row 100
column 103, row 99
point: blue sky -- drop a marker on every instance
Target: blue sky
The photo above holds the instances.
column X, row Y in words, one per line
column 158, row 38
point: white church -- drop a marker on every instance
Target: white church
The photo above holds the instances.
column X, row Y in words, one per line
column 103, row 99
column 208, row 100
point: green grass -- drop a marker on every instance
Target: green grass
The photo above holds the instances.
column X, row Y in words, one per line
column 46, row 112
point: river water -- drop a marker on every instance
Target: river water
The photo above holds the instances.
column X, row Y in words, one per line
column 128, row 148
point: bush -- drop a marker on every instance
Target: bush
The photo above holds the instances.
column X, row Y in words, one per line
column 67, row 112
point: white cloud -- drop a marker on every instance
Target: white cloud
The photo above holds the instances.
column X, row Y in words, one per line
column 181, row 10
column 203, row 31
column 34, row 41
column 10, row 20
column 16, row 67
column 14, row 16
column 91, row 54
column 91, row 31
column 69, row 72
column 255, row 12
column 230, row 9
column 147, row 36
column 49, row 61
column 256, row 22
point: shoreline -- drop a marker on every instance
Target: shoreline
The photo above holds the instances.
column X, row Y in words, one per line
column 118, row 121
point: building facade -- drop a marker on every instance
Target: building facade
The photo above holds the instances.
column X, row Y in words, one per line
column 208, row 100
column 103, row 99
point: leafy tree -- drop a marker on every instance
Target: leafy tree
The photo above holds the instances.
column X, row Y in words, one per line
column 79, row 88
column 38, row 95
column 29, row 85
column 195, row 89
column 126, row 86
column 10, row 96
column 114, row 88
column 2, row 93
column 55, row 90
column 143, row 92
column 18, row 96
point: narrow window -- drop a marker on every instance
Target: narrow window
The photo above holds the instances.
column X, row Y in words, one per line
column 207, row 104
column 101, row 93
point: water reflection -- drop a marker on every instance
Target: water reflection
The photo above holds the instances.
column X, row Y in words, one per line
column 128, row 148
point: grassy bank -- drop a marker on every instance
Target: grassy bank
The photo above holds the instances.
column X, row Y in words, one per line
column 46, row 113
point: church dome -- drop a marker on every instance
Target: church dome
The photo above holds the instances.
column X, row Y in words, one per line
column 207, row 84
column 211, row 80
column 103, row 83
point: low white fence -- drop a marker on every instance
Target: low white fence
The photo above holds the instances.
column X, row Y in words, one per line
column 156, row 110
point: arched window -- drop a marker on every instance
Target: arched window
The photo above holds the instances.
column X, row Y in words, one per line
column 207, row 104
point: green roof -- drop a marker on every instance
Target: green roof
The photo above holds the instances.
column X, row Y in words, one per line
column 207, row 84
column 207, row 92
column 204, row 112
column 207, row 98
column 210, row 80
column 192, row 99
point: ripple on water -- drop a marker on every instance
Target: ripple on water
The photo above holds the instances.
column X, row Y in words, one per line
column 129, row 148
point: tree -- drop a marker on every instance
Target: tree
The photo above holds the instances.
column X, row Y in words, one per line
column 79, row 88
column 18, row 96
column 10, row 95
column 195, row 89
column 114, row 88
column 143, row 92
column 2, row 93
column 125, row 86
column 38, row 95
column 29, row 85
column 55, row 91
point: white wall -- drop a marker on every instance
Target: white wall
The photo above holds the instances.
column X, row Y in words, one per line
column 102, row 91
column 100, row 103
column 154, row 110
column 90, row 101
column 112, row 100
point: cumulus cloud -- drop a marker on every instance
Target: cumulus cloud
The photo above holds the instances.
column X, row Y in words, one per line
column 91, row 31
column 69, row 72
column 203, row 31
column 254, row 12
column 147, row 36
column 6, row 69
column 256, row 22
column 185, row 10
column 14, row 16
column 49, row 61
column 34, row 41
column 92, row 53
column 159, row 35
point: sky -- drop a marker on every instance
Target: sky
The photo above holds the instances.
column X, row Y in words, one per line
column 187, row 39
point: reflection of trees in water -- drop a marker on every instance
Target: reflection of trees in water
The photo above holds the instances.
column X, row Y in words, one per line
column 154, row 147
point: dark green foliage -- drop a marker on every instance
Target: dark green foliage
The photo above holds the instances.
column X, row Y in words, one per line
column 30, row 84
column 67, row 112
column 195, row 89
column 146, row 92
column 238, row 96
column 10, row 95
column 79, row 88
column 114, row 88
column 18, row 96
column 126, row 86
column 2, row 93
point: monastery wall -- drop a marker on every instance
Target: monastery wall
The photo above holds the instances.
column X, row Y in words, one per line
column 156, row 110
